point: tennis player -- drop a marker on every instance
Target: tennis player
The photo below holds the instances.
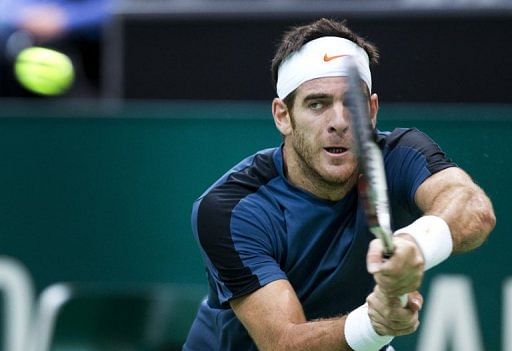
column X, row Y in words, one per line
column 290, row 261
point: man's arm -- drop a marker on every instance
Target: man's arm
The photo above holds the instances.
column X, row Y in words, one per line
column 453, row 196
column 274, row 318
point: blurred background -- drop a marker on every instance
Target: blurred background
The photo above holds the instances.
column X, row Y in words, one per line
column 100, row 166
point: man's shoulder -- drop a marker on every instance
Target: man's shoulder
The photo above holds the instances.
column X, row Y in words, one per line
column 244, row 179
column 403, row 145
column 411, row 137
column 234, row 205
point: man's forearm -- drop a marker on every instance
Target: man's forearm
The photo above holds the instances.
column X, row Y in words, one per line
column 275, row 320
column 315, row 335
column 462, row 204
column 469, row 215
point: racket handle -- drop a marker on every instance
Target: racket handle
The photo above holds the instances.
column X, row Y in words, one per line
column 404, row 300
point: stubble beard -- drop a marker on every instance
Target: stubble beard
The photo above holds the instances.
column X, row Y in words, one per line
column 305, row 161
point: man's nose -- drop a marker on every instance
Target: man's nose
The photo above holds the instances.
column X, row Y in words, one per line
column 338, row 122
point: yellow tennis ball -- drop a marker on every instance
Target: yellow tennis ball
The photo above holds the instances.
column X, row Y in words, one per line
column 44, row 71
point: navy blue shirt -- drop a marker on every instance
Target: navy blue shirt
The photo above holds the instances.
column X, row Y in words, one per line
column 255, row 227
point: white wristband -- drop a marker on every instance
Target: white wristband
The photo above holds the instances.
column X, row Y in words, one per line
column 359, row 332
column 433, row 237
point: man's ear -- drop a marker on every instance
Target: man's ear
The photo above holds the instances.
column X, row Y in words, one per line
column 282, row 117
column 374, row 109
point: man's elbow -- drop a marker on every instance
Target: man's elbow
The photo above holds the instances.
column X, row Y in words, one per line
column 487, row 219
column 484, row 220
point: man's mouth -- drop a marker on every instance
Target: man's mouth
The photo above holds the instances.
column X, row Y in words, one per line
column 335, row 150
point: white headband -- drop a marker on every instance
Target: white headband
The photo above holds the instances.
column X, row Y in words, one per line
column 322, row 57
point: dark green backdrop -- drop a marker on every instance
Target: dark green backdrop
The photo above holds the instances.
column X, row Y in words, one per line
column 103, row 192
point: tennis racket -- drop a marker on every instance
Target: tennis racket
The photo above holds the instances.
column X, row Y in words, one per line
column 372, row 185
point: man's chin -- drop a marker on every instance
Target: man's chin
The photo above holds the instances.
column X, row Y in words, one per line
column 337, row 177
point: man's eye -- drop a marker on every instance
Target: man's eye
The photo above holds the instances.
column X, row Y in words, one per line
column 316, row 105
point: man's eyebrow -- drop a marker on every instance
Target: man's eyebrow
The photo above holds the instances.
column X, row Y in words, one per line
column 315, row 96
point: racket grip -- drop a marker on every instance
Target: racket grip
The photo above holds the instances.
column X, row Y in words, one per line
column 404, row 300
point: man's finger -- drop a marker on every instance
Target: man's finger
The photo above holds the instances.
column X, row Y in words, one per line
column 415, row 301
column 374, row 257
column 388, row 317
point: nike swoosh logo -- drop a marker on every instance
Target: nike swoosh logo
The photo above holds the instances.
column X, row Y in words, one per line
column 328, row 58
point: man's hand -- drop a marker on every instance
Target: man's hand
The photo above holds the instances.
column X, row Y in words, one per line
column 402, row 272
column 387, row 315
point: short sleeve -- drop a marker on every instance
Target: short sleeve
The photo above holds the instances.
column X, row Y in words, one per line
column 237, row 247
column 411, row 157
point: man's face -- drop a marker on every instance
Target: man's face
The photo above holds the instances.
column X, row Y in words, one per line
column 319, row 147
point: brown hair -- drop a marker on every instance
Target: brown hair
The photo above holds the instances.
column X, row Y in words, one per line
column 297, row 37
